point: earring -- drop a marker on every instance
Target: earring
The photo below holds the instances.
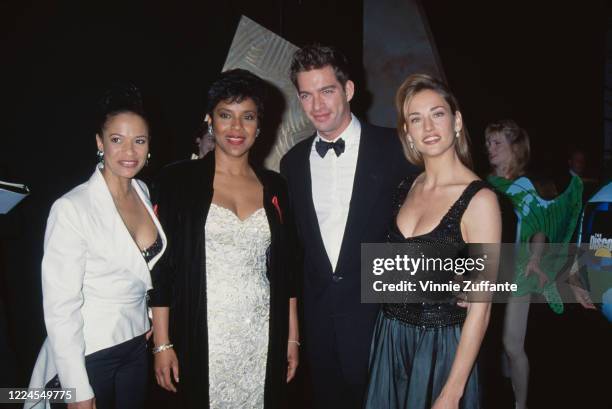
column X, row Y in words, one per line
column 100, row 155
column 257, row 132
column 457, row 134
column 411, row 145
column 148, row 157
column 210, row 130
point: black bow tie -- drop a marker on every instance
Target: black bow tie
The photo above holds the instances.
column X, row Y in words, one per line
column 322, row 147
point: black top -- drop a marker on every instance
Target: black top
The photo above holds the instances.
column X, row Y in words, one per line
column 153, row 250
column 437, row 309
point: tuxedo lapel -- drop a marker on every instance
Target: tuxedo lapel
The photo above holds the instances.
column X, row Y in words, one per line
column 311, row 231
column 365, row 186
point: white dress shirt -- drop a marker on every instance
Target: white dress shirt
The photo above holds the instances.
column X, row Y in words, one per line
column 332, row 187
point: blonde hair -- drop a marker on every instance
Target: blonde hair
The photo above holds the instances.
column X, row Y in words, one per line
column 414, row 84
column 518, row 139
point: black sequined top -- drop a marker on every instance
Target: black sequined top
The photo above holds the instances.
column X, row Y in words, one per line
column 153, row 250
column 440, row 309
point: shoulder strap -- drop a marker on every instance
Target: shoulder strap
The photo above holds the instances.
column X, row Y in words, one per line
column 458, row 208
column 401, row 192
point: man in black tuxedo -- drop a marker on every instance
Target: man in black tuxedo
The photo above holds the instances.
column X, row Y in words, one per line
column 341, row 182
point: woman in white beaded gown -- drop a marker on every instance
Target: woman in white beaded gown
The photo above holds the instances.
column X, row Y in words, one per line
column 232, row 329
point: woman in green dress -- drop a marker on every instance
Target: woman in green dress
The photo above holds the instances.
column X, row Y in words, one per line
column 546, row 214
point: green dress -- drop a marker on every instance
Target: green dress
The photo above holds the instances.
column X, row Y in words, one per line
column 555, row 218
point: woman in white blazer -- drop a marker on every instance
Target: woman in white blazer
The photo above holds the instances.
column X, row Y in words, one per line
column 101, row 241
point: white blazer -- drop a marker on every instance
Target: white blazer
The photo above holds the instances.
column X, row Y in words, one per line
column 94, row 281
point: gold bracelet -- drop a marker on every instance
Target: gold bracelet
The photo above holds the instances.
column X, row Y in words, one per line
column 291, row 341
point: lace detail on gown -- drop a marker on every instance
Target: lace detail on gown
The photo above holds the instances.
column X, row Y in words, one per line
column 238, row 307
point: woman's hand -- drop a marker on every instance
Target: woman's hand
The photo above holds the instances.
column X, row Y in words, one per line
column 533, row 266
column 537, row 243
column 293, row 351
column 85, row 404
column 166, row 369
column 583, row 297
column 293, row 360
column 446, row 401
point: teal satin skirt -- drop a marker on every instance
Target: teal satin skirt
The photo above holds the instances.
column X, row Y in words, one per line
column 409, row 366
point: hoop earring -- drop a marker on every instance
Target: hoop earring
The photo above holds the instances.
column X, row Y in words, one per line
column 100, row 155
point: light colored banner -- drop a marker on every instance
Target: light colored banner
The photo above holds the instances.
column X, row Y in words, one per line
column 268, row 56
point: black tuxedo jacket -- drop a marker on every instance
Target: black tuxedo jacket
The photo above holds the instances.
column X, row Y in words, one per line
column 331, row 300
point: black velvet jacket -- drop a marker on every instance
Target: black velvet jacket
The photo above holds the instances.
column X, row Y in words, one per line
column 181, row 197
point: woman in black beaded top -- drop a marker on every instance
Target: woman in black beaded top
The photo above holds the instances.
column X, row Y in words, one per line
column 423, row 354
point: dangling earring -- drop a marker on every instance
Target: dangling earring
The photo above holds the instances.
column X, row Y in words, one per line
column 148, row 157
column 457, row 134
column 257, row 132
column 411, row 145
column 210, row 130
column 100, row 155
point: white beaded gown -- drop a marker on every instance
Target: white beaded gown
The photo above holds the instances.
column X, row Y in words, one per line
column 238, row 307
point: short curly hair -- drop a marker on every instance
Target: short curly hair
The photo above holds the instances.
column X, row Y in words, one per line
column 316, row 56
column 235, row 86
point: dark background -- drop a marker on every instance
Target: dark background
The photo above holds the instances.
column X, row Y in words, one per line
column 540, row 63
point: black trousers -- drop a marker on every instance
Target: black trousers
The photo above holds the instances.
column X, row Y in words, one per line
column 117, row 375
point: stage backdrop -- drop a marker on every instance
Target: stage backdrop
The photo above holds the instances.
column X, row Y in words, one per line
column 268, row 55
column 396, row 43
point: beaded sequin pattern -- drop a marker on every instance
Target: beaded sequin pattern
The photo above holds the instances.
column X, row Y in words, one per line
column 238, row 307
column 153, row 250
column 446, row 235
